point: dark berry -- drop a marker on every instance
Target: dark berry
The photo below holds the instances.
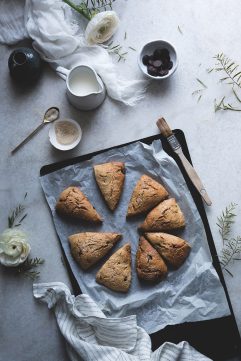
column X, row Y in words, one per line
column 165, row 54
column 152, row 70
column 157, row 63
column 145, row 59
column 163, row 72
column 157, row 54
column 151, row 60
column 169, row 65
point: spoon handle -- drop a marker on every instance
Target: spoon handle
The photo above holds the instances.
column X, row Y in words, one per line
column 27, row 139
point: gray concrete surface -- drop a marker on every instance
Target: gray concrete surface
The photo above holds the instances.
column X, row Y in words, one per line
column 28, row 330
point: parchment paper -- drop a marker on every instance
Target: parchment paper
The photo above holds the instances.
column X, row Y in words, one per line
column 193, row 292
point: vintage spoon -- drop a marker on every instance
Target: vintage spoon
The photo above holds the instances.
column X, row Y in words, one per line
column 50, row 115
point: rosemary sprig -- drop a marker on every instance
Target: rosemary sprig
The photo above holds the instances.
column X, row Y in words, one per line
column 230, row 68
column 16, row 217
column 201, row 90
column 180, row 30
column 231, row 246
column 131, row 47
column 230, row 253
column 224, row 106
column 116, row 50
column 89, row 8
column 27, row 268
column 226, row 220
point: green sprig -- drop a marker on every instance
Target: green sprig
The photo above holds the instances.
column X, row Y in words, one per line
column 226, row 220
column 16, row 217
column 89, row 8
column 230, row 68
column 231, row 250
column 28, row 267
column 230, row 253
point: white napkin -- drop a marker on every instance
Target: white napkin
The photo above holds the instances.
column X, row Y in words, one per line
column 60, row 41
column 91, row 336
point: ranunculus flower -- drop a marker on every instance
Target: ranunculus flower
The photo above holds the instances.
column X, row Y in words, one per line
column 14, row 249
column 101, row 27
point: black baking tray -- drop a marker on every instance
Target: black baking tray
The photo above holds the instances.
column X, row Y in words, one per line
column 218, row 339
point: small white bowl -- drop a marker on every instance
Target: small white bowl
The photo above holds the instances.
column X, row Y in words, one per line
column 52, row 135
column 149, row 48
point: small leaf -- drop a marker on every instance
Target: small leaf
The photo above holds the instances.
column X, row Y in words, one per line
column 228, row 272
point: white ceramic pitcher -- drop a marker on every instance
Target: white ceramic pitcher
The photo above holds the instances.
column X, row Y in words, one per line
column 85, row 89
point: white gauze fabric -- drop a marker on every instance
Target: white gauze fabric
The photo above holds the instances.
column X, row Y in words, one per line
column 60, row 41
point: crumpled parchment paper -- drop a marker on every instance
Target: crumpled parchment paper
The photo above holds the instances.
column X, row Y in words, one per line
column 193, row 292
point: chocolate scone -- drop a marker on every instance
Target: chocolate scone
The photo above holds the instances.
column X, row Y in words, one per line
column 164, row 217
column 146, row 195
column 149, row 264
column 73, row 203
column 116, row 271
column 110, row 179
column 173, row 249
column 89, row 247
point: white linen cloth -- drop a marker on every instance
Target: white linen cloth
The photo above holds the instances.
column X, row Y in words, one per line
column 60, row 41
column 91, row 336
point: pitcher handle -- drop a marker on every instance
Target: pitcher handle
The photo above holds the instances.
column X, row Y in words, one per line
column 63, row 72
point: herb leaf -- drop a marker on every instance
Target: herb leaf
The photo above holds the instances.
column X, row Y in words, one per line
column 27, row 268
column 226, row 220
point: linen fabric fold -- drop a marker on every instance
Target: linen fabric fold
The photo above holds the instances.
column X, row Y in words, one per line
column 59, row 39
column 91, row 336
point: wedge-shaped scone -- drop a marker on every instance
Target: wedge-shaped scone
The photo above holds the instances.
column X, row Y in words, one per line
column 116, row 271
column 149, row 264
column 110, row 179
column 73, row 203
column 164, row 217
column 173, row 249
column 89, row 247
column 146, row 195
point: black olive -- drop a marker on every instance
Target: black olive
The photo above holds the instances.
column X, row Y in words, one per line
column 145, row 59
column 157, row 54
column 165, row 54
column 163, row 72
column 157, row 63
column 152, row 70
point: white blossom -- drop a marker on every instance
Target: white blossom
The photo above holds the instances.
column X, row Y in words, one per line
column 14, row 249
column 101, row 27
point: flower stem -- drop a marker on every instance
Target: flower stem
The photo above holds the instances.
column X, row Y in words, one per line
column 81, row 9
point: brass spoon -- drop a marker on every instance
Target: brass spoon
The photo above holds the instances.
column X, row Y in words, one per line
column 50, row 115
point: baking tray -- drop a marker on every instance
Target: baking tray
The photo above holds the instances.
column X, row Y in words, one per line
column 218, row 339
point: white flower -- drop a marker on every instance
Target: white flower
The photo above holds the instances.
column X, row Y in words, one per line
column 14, row 249
column 101, row 27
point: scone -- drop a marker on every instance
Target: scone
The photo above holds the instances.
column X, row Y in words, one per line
column 164, row 217
column 89, row 247
column 116, row 271
column 149, row 264
column 146, row 195
column 110, row 179
column 173, row 249
column 73, row 203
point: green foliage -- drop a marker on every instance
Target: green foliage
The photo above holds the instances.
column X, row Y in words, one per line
column 230, row 68
column 16, row 217
column 200, row 91
column 27, row 268
column 117, row 50
column 226, row 220
column 89, row 8
column 232, row 76
column 231, row 246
